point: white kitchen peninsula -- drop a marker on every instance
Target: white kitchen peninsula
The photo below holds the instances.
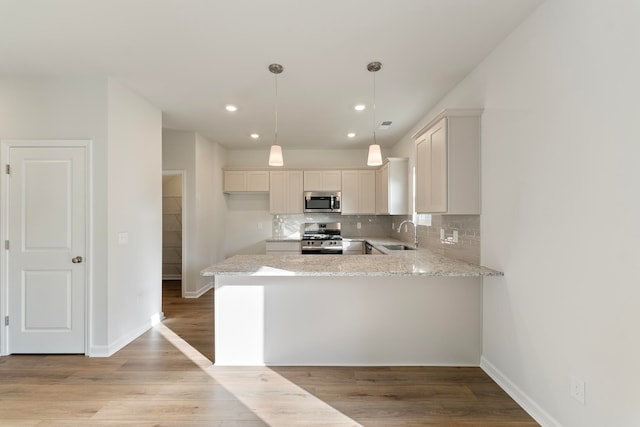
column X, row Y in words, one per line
column 407, row 308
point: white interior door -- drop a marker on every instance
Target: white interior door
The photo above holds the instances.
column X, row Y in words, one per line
column 47, row 247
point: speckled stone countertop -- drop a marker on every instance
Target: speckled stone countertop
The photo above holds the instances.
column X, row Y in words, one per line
column 420, row 262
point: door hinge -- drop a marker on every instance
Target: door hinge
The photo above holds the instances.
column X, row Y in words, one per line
column 8, row 169
column 6, row 244
column 6, row 320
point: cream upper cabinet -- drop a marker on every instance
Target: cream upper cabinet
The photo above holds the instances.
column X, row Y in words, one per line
column 448, row 164
column 285, row 192
column 358, row 192
column 246, row 181
column 392, row 187
column 329, row 180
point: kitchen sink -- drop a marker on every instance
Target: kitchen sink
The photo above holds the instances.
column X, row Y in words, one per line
column 399, row 247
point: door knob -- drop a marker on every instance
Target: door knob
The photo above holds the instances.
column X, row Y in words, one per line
column 76, row 260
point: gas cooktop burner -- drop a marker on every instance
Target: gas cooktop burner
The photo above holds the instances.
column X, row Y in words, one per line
column 321, row 237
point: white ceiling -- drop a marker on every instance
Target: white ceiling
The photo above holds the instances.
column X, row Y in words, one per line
column 192, row 57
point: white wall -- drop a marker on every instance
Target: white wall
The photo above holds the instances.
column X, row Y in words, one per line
column 339, row 159
column 66, row 108
column 560, row 174
column 135, row 208
column 179, row 153
column 210, row 208
column 124, row 289
column 205, row 214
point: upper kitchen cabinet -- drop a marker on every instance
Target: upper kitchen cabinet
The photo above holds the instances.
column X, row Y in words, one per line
column 448, row 164
column 246, row 181
column 285, row 192
column 329, row 180
column 358, row 192
column 392, row 187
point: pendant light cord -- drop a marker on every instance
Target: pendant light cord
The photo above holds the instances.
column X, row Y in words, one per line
column 276, row 136
column 374, row 108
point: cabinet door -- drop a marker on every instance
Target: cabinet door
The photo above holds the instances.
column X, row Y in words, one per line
column 331, row 180
column 438, row 201
column 322, row 180
column 283, row 248
column 235, row 181
column 312, row 180
column 349, row 192
column 257, row 180
column 294, row 192
column 431, row 170
column 367, row 192
column 285, row 192
column 382, row 190
column 423, row 182
column 277, row 192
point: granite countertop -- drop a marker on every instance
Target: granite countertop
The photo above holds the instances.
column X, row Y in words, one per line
column 420, row 262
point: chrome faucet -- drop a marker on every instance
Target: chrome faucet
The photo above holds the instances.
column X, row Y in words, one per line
column 415, row 231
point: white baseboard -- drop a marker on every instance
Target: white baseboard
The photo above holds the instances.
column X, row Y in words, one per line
column 199, row 292
column 527, row 403
column 112, row 348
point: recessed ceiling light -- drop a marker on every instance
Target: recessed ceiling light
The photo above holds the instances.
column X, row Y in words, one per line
column 231, row 108
column 255, row 136
column 360, row 107
column 351, row 135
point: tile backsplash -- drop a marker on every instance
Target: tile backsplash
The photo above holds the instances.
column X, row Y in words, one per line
column 291, row 226
column 467, row 248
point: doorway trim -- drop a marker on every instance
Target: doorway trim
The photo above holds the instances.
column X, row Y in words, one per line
column 183, row 174
column 5, row 146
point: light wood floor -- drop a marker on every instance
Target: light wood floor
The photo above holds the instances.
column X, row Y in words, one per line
column 161, row 380
column 190, row 318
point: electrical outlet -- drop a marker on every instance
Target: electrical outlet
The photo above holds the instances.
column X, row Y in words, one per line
column 442, row 234
column 455, row 236
column 358, row 225
column 393, row 226
column 259, row 226
column 577, row 389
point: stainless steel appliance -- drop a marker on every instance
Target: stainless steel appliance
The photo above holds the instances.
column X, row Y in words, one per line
column 321, row 201
column 321, row 239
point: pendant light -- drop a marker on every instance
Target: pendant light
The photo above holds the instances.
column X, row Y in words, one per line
column 375, row 156
column 275, row 154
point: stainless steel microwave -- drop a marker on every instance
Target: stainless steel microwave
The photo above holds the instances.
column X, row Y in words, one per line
column 320, row 201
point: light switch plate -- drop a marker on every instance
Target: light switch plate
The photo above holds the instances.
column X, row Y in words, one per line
column 123, row 238
column 577, row 389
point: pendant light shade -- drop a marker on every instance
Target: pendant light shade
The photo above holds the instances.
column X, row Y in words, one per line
column 275, row 156
column 375, row 156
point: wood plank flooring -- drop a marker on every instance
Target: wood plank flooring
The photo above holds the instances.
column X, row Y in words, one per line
column 161, row 380
column 190, row 318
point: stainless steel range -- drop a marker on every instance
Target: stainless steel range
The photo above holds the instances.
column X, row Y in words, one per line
column 322, row 239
